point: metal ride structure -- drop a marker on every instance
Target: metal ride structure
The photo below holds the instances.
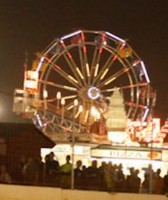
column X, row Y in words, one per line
column 79, row 72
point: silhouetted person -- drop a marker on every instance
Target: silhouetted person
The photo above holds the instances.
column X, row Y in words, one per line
column 66, row 170
column 52, row 170
column 4, row 175
column 78, row 174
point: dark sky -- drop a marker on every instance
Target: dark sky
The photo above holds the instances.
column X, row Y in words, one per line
column 32, row 24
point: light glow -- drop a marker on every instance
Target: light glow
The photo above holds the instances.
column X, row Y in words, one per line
column 45, row 94
column 69, row 88
column 87, row 69
column 58, row 95
column 63, row 101
column 115, row 37
column 31, row 81
column 112, row 79
column 72, row 79
column 103, row 75
column 79, row 72
column 40, row 64
column 96, row 70
column 93, row 92
column 75, row 102
column 95, row 113
column 144, row 69
column 117, row 136
column 71, row 35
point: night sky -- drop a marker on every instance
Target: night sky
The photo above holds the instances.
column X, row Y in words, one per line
column 30, row 25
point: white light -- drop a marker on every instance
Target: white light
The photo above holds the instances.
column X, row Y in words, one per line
column 69, row 88
column 71, row 35
column 136, row 63
column 86, row 116
column 145, row 115
column 63, row 101
column 96, row 70
column 103, row 75
column 117, row 136
column 73, row 79
column 115, row 37
column 112, row 79
column 58, row 95
column 95, row 113
column 93, row 92
column 69, row 97
column 146, row 75
column 75, row 102
column 80, row 108
column 39, row 120
column 70, row 107
column 40, row 63
column 45, row 94
column 87, row 69
column 79, row 72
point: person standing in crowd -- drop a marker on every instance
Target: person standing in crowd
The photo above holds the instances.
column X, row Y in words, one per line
column 136, row 181
column 22, row 163
column 78, row 175
column 145, row 183
column 40, row 165
column 108, row 177
column 101, row 174
column 93, row 176
column 30, row 172
column 129, row 184
column 66, row 170
column 120, row 179
column 158, row 183
column 52, row 168
column 165, row 180
column 4, row 175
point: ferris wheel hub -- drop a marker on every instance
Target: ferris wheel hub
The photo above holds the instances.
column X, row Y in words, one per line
column 93, row 93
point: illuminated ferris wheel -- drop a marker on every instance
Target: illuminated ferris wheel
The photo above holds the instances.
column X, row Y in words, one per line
column 80, row 71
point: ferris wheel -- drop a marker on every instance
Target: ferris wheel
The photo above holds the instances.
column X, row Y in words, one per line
column 80, row 71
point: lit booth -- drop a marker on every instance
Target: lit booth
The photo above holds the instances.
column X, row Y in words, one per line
column 26, row 100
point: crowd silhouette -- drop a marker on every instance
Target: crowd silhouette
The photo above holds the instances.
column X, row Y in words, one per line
column 106, row 177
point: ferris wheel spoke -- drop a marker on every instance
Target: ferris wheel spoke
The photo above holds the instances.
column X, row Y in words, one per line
column 133, row 109
column 125, row 87
column 136, row 105
column 76, row 71
column 70, row 97
column 100, row 42
column 82, row 63
column 104, row 70
column 71, row 108
column 112, row 58
column 66, row 76
column 113, row 77
column 69, row 59
column 65, row 87
column 62, row 73
column 95, row 63
column 134, row 85
column 58, row 107
column 84, row 59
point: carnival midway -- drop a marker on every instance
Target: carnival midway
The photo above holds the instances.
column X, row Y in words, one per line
column 90, row 93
